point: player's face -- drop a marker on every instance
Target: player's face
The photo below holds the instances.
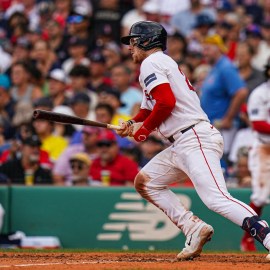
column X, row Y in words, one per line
column 137, row 54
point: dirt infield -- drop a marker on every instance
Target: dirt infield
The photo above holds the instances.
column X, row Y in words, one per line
column 130, row 261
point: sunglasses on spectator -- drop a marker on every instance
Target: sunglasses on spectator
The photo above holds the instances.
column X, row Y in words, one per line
column 105, row 144
column 75, row 19
column 76, row 165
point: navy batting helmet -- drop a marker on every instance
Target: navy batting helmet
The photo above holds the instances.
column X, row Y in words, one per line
column 149, row 35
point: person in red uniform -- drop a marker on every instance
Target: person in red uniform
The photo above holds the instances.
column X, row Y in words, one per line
column 118, row 169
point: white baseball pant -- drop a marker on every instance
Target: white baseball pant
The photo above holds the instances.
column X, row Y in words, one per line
column 259, row 166
column 195, row 154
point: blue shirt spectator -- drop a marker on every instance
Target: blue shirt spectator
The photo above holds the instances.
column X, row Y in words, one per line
column 221, row 84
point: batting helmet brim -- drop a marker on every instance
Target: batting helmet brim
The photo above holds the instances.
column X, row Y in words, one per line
column 126, row 40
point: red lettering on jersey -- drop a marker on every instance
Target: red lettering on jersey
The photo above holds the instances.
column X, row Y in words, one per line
column 187, row 80
column 148, row 97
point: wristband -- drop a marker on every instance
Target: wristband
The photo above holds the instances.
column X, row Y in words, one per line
column 130, row 122
column 141, row 134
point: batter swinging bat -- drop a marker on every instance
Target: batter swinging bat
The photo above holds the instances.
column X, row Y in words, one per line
column 68, row 119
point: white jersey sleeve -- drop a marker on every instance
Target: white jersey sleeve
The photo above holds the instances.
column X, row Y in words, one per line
column 153, row 74
column 259, row 109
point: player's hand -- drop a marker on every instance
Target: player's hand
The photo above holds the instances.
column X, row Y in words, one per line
column 126, row 128
column 140, row 133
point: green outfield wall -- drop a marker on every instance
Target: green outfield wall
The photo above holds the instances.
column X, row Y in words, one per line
column 110, row 218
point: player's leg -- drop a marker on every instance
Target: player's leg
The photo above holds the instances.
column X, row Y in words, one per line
column 200, row 152
column 152, row 183
column 259, row 165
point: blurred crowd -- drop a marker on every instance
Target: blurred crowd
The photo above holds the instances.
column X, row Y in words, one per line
column 65, row 56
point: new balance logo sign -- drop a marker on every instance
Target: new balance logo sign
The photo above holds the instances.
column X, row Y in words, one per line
column 141, row 220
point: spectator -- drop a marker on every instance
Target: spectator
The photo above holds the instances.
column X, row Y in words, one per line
column 81, row 106
column 223, row 91
column 77, row 49
column 29, row 9
column 7, row 105
column 17, row 25
column 57, row 87
column 119, row 169
column 107, row 14
column 51, row 143
column 57, row 39
column 151, row 10
column 184, row 21
column 44, row 57
column 132, row 16
column 112, row 54
column 129, row 95
column 80, row 165
column 241, row 176
column 22, row 88
column 21, row 50
column 252, row 76
column 260, row 47
column 79, row 77
column 28, row 170
column 177, row 47
column 63, row 8
column 149, row 148
column 62, row 171
column 105, row 113
column 98, row 82
column 78, row 26
column 112, row 98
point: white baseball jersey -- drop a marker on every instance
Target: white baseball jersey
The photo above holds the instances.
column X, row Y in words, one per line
column 158, row 68
column 259, row 108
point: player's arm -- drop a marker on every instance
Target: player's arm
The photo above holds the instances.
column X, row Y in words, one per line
column 238, row 99
column 165, row 102
column 261, row 126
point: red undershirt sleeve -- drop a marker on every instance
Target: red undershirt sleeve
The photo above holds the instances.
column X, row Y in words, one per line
column 261, row 126
column 142, row 115
column 165, row 102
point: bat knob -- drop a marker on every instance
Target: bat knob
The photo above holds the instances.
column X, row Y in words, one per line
column 35, row 114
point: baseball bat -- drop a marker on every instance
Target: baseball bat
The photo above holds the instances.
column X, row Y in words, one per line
column 68, row 119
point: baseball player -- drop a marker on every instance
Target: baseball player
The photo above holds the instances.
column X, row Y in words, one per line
column 171, row 106
column 259, row 155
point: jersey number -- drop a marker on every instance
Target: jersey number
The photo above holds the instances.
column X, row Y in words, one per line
column 187, row 81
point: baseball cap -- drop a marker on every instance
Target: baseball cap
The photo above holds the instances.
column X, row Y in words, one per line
column 80, row 98
column 106, row 137
column 203, row 20
column 83, row 157
column 253, row 30
column 216, row 40
column 97, row 57
column 58, row 75
column 75, row 41
column 4, row 81
column 32, row 141
column 151, row 7
column 43, row 102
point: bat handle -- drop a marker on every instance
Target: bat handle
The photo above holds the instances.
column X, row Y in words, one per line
column 109, row 126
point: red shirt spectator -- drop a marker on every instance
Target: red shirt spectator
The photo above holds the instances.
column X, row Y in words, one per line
column 119, row 169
